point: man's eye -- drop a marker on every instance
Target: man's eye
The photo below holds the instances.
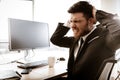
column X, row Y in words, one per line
column 76, row 21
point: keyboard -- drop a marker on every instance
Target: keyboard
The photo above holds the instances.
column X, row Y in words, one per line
column 32, row 65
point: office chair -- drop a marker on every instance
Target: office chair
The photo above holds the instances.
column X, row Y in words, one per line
column 106, row 68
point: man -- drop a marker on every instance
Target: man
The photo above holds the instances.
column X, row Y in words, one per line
column 98, row 42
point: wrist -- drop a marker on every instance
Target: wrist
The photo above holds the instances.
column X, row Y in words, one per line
column 65, row 24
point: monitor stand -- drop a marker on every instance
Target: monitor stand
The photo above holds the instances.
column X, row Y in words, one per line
column 28, row 54
column 28, row 62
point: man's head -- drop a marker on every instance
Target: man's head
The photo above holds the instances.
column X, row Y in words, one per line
column 81, row 20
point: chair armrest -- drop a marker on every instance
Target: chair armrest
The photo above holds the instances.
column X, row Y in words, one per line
column 111, row 59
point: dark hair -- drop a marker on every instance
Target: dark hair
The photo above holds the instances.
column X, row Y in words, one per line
column 83, row 7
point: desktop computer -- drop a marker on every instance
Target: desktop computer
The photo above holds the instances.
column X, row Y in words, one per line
column 27, row 35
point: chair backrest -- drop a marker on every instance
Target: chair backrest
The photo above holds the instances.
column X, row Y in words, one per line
column 106, row 69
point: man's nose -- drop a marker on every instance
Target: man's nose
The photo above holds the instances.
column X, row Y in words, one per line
column 72, row 24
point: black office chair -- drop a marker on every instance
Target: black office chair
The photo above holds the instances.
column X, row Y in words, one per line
column 106, row 68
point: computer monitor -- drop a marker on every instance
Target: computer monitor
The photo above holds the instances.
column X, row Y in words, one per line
column 25, row 34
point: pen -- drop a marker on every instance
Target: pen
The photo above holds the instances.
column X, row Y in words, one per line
column 18, row 74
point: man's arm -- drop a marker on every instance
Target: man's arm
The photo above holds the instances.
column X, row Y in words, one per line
column 112, row 23
column 58, row 38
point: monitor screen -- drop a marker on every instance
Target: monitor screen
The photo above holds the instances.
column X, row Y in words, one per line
column 24, row 34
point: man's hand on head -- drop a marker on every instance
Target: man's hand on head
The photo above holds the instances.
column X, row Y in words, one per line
column 94, row 15
column 67, row 24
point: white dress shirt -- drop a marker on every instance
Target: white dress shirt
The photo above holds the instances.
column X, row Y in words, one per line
column 79, row 42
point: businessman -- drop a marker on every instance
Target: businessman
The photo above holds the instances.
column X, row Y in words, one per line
column 91, row 44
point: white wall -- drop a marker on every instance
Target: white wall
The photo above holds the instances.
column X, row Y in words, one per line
column 111, row 6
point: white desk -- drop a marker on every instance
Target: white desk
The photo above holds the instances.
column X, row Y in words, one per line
column 45, row 72
column 40, row 73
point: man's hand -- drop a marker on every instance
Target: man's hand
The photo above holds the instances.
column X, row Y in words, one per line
column 67, row 24
column 94, row 15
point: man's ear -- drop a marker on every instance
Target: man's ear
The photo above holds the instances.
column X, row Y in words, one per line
column 91, row 21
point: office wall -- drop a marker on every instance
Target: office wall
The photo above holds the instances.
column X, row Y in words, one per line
column 13, row 9
column 111, row 6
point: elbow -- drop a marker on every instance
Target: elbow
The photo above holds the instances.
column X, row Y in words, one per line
column 53, row 40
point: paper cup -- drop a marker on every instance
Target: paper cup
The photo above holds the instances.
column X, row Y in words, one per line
column 51, row 62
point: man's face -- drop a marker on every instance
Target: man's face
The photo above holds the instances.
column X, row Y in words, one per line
column 79, row 24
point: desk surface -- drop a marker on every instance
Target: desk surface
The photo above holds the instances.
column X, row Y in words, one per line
column 45, row 72
column 40, row 73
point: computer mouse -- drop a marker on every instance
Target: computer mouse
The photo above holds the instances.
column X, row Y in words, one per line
column 62, row 59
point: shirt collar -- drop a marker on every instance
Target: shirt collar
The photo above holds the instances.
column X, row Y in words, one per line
column 84, row 37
